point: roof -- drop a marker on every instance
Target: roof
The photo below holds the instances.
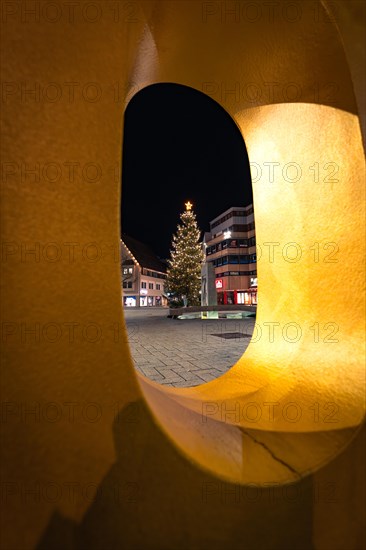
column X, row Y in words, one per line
column 145, row 256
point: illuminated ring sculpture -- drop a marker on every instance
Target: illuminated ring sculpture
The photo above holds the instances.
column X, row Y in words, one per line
column 287, row 85
column 296, row 398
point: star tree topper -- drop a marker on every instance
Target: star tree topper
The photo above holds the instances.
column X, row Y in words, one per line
column 188, row 206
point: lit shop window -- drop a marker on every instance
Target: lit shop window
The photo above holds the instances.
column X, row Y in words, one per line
column 130, row 301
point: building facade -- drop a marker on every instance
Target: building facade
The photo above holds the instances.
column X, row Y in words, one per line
column 230, row 247
column 143, row 275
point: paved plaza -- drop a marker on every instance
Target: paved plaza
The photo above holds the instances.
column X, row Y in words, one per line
column 184, row 352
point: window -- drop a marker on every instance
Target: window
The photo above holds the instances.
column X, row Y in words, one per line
column 143, row 285
column 127, row 284
column 236, row 213
column 240, row 273
column 151, row 286
column 157, row 286
column 241, row 228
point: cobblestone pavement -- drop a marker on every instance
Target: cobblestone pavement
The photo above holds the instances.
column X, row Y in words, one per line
column 184, row 352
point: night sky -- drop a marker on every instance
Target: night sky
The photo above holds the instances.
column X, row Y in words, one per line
column 179, row 144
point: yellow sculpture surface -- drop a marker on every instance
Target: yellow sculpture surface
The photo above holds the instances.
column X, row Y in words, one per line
column 96, row 456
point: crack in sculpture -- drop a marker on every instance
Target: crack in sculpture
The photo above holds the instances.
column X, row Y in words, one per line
column 276, row 458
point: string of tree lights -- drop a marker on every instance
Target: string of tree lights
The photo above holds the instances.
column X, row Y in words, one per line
column 186, row 257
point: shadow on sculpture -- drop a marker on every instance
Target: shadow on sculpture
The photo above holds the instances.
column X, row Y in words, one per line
column 153, row 498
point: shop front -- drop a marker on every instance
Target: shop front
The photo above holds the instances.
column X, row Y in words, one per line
column 129, row 301
column 246, row 297
column 145, row 301
column 143, row 297
column 150, row 301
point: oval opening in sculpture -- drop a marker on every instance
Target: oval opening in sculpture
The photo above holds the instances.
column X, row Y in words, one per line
column 189, row 305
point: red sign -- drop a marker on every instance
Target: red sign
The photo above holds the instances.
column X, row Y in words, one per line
column 218, row 283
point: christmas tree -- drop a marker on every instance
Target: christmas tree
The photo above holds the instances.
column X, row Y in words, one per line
column 184, row 271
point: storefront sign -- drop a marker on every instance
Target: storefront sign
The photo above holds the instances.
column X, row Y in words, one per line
column 218, row 283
